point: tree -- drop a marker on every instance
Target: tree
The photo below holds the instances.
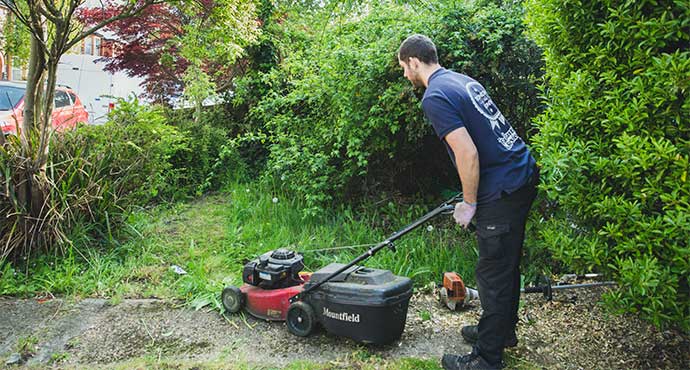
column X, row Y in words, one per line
column 147, row 47
column 336, row 109
column 165, row 40
column 15, row 40
column 54, row 30
column 212, row 42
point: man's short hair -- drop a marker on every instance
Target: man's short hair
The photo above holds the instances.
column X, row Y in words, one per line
column 420, row 47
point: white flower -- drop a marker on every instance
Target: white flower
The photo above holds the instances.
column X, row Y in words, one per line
column 282, row 177
column 429, row 228
column 247, row 190
column 275, row 200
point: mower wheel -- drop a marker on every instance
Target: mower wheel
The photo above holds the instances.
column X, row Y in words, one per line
column 233, row 299
column 301, row 319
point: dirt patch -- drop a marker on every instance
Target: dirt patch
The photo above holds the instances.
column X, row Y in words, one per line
column 576, row 332
column 554, row 335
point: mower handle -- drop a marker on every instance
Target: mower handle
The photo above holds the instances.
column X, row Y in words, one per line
column 445, row 208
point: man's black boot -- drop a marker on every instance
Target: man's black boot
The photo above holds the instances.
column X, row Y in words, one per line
column 472, row 361
column 471, row 334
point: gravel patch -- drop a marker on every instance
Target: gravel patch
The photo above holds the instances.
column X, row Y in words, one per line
column 571, row 332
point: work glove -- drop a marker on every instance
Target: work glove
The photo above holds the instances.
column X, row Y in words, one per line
column 463, row 213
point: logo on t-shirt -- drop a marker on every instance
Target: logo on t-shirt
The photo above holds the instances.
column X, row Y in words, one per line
column 483, row 103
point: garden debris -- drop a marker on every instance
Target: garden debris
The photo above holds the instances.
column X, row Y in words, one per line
column 178, row 270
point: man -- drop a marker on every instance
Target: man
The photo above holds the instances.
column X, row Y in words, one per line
column 498, row 177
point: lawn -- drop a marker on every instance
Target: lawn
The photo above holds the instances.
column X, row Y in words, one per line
column 211, row 238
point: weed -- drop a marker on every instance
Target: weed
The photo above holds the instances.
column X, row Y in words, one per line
column 27, row 346
column 72, row 343
column 58, row 357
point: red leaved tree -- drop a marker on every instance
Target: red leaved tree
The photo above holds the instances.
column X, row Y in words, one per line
column 151, row 44
column 147, row 47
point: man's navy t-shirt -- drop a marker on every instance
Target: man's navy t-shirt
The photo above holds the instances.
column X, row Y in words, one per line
column 453, row 100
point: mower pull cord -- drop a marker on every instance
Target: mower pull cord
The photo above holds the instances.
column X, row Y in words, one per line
column 445, row 208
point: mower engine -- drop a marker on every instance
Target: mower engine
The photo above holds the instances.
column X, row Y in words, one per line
column 273, row 270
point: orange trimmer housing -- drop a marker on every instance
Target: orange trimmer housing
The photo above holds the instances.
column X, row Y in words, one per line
column 454, row 286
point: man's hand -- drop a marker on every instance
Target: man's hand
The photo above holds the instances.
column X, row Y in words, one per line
column 463, row 213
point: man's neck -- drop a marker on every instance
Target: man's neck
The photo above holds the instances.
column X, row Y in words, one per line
column 427, row 71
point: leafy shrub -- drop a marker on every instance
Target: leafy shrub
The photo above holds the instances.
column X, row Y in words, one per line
column 193, row 164
column 338, row 117
column 92, row 174
column 96, row 173
column 212, row 156
column 134, row 149
column 614, row 144
column 488, row 43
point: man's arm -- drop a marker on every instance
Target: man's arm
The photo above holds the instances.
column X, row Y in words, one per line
column 467, row 162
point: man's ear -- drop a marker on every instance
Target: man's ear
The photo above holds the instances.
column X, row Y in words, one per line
column 413, row 63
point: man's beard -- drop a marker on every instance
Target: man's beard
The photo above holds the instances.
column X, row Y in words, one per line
column 418, row 84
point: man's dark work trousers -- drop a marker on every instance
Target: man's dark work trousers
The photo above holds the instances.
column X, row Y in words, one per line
column 500, row 233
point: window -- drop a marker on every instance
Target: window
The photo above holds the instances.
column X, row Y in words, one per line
column 10, row 96
column 61, row 99
column 88, row 46
column 97, row 40
column 74, row 98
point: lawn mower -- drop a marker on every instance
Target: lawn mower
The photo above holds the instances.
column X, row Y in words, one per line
column 365, row 304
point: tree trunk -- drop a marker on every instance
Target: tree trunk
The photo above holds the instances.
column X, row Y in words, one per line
column 46, row 123
column 28, row 196
column 197, row 114
column 32, row 101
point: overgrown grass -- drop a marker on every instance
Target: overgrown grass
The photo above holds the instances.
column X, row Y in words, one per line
column 211, row 238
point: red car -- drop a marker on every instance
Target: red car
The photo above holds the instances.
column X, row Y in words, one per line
column 67, row 108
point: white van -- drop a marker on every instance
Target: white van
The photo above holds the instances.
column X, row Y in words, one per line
column 99, row 107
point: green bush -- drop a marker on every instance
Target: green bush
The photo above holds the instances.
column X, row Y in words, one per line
column 614, row 144
column 339, row 119
column 488, row 43
column 212, row 157
column 192, row 166
column 95, row 174
column 133, row 150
